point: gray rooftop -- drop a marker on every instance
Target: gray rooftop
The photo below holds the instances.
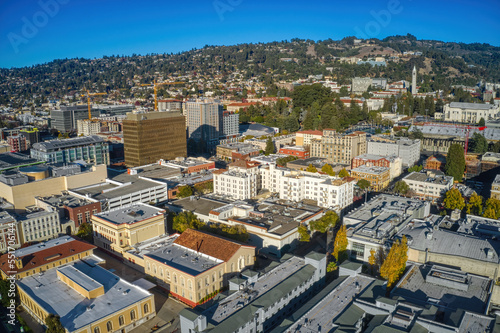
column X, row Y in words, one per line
column 43, row 246
column 65, row 199
column 131, row 214
column 11, row 160
column 431, row 179
column 198, row 205
column 53, row 145
column 449, row 130
column 5, row 217
column 184, row 259
column 375, row 170
column 75, row 310
column 476, row 106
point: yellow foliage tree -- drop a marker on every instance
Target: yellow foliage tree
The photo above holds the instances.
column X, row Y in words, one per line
column 340, row 244
column 395, row 263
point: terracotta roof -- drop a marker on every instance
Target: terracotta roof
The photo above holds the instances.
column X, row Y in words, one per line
column 43, row 257
column 311, row 132
column 213, row 246
column 244, row 164
column 219, row 171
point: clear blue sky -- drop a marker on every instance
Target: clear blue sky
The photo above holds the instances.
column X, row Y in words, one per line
column 91, row 28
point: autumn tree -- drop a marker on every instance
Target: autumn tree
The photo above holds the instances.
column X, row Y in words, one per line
column 340, row 244
column 327, row 221
column 454, row 200
column 492, row 208
column 475, row 205
column 304, row 233
column 85, row 232
column 395, row 263
column 401, row 187
column 311, row 168
column 343, row 173
column 53, row 323
column 331, row 266
column 327, row 168
column 372, row 259
column 455, row 162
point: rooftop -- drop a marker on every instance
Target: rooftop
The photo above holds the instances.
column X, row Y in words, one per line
column 15, row 160
column 136, row 212
column 75, row 310
column 52, row 145
column 374, row 170
column 449, row 130
column 198, row 205
column 65, row 199
column 476, row 106
column 429, row 178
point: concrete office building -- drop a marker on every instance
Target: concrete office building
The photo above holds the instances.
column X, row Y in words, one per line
column 204, row 122
column 65, row 119
column 39, row 225
column 230, row 124
column 259, row 300
column 91, row 149
column 149, row 137
column 170, row 105
column 407, row 149
column 88, row 127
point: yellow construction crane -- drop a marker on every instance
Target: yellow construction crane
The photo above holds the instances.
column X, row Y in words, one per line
column 155, row 88
column 88, row 99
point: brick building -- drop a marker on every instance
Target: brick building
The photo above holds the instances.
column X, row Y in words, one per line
column 299, row 152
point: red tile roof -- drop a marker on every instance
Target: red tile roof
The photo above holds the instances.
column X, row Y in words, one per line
column 44, row 257
column 312, row 132
column 211, row 245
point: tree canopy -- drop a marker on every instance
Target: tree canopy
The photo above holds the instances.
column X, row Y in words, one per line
column 304, row 233
column 269, row 146
column 478, row 143
column 327, row 168
column 395, row 263
column 327, row 221
column 401, row 187
column 475, row 205
column 340, row 244
column 363, row 184
column 455, row 162
column 53, row 323
column 343, row 173
column 311, row 168
column 454, row 200
column 184, row 191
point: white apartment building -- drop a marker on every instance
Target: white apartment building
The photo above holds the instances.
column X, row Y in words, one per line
column 238, row 185
column 328, row 192
column 469, row 112
column 88, row 127
column 407, row 149
column 230, row 124
column 428, row 185
column 39, row 225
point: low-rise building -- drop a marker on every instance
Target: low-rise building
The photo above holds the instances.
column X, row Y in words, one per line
column 407, row 149
column 393, row 162
column 303, row 138
column 435, row 162
column 379, row 177
column 495, row 188
column 235, row 184
column 237, row 150
column 297, row 151
column 86, row 298
column 38, row 225
column 41, row 257
column 10, row 237
column 117, row 230
column 470, row 113
column 260, row 300
column 87, row 127
column 339, row 148
column 490, row 161
column 428, row 185
column 197, row 265
column 372, row 226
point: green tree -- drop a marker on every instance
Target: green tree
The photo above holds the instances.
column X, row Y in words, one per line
column 401, row 187
column 85, row 232
column 53, row 323
column 475, row 205
column 481, row 122
column 327, row 168
column 327, row 221
column 454, row 200
column 416, row 134
column 284, row 160
column 331, row 266
column 185, row 220
column 343, row 173
column 184, row 191
column 269, row 146
column 415, row 168
column 304, row 233
column 496, row 147
column 340, row 244
column 479, row 144
column 455, row 162
column 311, row 168
column 363, row 184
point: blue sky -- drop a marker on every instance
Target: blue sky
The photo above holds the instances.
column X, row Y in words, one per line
column 33, row 32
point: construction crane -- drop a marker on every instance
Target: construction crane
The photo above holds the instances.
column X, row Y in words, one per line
column 155, row 88
column 88, row 95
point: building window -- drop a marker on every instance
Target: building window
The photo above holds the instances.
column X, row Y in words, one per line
column 97, row 330
column 132, row 315
column 358, row 250
column 146, row 308
column 121, row 320
column 109, row 326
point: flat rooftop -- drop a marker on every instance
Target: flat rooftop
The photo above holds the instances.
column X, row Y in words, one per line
column 65, row 199
column 75, row 275
column 450, row 130
column 11, row 160
column 5, row 217
column 43, row 246
column 431, row 179
column 75, row 310
column 374, row 170
column 416, row 287
column 57, row 144
column 184, row 259
column 131, row 214
column 198, row 205
column 331, row 306
column 152, row 245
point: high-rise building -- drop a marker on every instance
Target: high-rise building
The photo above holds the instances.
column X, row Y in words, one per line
column 65, row 119
column 149, row 137
column 17, row 143
column 414, row 81
column 205, row 122
column 230, row 124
